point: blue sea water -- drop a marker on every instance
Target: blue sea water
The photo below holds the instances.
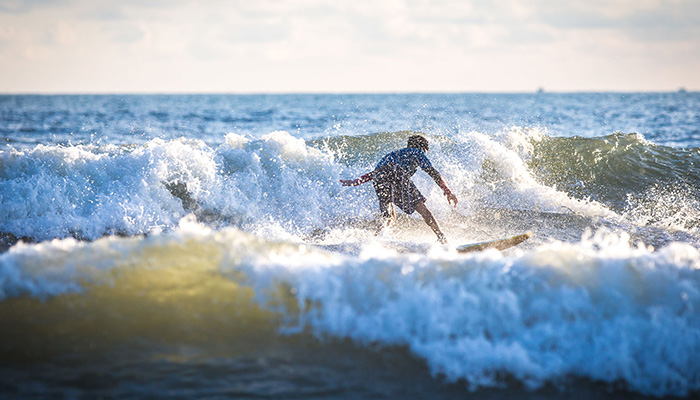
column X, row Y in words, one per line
column 669, row 119
column 201, row 246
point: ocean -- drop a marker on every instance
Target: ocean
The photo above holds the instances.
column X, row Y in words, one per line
column 201, row 246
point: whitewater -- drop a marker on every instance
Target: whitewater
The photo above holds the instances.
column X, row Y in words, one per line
column 202, row 246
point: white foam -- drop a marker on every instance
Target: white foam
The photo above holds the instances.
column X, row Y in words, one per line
column 89, row 191
column 600, row 309
column 276, row 185
column 62, row 266
column 51, row 268
column 512, row 185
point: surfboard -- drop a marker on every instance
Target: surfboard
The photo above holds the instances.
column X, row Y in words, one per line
column 498, row 244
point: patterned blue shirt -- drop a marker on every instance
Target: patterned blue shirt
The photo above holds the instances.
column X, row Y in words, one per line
column 409, row 158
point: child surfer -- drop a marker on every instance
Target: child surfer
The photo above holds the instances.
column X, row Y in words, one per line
column 392, row 183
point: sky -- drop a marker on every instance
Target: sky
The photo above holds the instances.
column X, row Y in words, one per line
column 348, row 46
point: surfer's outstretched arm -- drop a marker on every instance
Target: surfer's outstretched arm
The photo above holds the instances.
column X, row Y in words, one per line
column 359, row 181
column 451, row 198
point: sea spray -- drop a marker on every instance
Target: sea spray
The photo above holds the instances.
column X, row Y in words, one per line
column 602, row 309
column 90, row 191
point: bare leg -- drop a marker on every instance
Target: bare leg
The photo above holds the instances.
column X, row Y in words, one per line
column 388, row 216
column 430, row 220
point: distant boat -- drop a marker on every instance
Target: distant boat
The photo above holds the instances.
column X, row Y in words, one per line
column 682, row 90
column 540, row 90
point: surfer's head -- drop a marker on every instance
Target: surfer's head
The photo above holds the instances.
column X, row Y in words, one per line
column 419, row 142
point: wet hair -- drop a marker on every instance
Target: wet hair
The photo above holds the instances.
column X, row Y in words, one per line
column 419, row 142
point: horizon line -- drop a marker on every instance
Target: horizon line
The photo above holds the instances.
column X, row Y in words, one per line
column 340, row 93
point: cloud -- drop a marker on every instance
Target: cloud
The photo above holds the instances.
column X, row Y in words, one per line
column 128, row 33
column 260, row 31
column 25, row 6
column 650, row 20
column 400, row 44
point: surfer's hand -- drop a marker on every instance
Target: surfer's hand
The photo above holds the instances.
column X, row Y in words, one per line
column 350, row 182
column 451, row 198
column 354, row 182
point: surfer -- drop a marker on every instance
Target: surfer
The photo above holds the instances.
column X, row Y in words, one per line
column 393, row 185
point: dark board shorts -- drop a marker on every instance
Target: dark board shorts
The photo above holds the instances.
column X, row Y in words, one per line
column 393, row 185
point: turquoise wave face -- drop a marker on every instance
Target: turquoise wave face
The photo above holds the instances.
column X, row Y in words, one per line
column 624, row 172
column 615, row 167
